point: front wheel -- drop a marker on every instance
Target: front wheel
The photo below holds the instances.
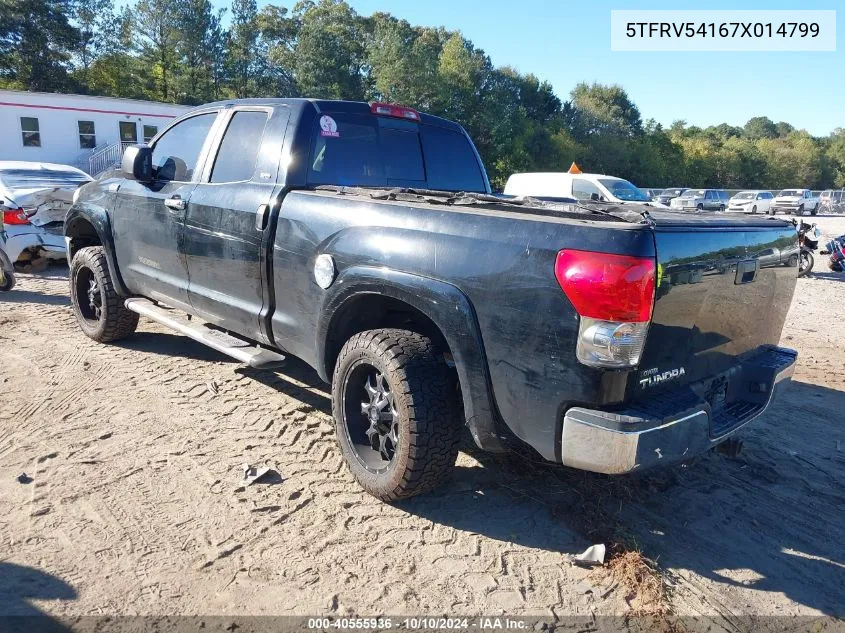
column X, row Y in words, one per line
column 805, row 264
column 98, row 308
column 754, row 209
column 801, row 210
column 395, row 413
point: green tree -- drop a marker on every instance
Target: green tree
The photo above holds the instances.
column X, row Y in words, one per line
column 155, row 27
column 760, row 127
column 605, row 110
column 37, row 41
column 275, row 54
column 329, row 60
column 241, row 53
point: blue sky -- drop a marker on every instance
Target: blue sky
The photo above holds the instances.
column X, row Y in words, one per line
column 567, row 41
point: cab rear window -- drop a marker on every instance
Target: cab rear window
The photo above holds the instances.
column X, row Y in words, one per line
column 362, row 150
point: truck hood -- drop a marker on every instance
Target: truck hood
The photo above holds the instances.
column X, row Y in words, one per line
column 44, row 206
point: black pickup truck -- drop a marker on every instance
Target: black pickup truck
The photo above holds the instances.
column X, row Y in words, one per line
column 364, row 239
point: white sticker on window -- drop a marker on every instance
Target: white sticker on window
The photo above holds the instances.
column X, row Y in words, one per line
column 328, row 126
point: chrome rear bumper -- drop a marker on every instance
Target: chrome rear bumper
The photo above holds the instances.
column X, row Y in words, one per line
column 627, row 441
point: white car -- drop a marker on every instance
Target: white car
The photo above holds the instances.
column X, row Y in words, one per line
column 34, row 199
column 565, row 185
column 751, row 201
column 795, row 201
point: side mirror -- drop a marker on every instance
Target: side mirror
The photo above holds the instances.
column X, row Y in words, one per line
column 137, row 163
column 594, row 197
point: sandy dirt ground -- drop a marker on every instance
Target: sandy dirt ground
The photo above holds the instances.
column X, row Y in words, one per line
column 135, row 504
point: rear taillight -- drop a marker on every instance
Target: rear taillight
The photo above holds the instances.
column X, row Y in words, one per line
column 390, row 109
column 15, row 216
column 614, row 295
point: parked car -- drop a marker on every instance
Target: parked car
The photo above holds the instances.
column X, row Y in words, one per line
column 651, row 193
column 558, row 185
column 335, row 231
column 701, row 200
column 667, row 195
column 795, row 201
column 751, row 201
column 34, row 198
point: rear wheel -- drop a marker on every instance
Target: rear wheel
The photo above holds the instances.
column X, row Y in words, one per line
column 395, row 413
column 98, row 308
column 805, row 264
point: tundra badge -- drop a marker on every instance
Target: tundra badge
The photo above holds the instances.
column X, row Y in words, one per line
column 652, row 377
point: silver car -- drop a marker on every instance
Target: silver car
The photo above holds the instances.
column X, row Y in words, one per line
column 34, row 199
column 701, row 200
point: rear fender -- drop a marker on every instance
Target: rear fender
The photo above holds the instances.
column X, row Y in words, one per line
column 450, row 310
column 87, row 225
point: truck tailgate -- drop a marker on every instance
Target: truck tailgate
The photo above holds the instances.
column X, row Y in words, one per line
column 724, row 286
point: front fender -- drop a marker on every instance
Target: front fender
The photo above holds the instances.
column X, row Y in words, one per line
column 450, row 310
column 88, row 224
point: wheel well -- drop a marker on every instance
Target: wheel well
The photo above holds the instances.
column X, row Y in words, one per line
column 81, row 233
column 371, row 312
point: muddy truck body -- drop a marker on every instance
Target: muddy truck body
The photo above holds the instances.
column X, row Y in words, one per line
column 364, row 240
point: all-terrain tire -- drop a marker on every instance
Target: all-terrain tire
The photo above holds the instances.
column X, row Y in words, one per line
column 114, row 321
column 429, row 427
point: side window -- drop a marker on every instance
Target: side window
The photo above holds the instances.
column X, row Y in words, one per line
column 239, row 149
column 30, row 132
column 87, row 136
column 176, row 153
column 583, row 189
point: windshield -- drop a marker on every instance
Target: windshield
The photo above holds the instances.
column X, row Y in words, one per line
column 374, row 151
column 624, row 190
column 42, row 178
column 673, row 192
column 791, row 192
column 745, row 195
column 694, row 193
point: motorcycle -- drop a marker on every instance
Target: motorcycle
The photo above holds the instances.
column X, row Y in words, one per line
column 836, row 249
column 808, row 241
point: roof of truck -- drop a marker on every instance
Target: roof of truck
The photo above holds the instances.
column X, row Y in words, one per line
column 324, row 105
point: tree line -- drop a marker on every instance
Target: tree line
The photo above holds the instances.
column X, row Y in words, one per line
column 185, row 51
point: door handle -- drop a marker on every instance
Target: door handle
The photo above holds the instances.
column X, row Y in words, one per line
column 261, row 217
column 176, row 203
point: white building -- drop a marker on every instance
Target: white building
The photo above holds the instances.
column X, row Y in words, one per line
column 83, row 131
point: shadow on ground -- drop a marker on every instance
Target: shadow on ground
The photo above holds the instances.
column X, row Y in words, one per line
column 771, row 520
column 18, row 586
column 27, row 296
column 167, row 344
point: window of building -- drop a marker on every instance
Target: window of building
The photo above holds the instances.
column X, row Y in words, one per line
column 87, row 136
column 30, row 132
column 239, row 148
column 149, row 132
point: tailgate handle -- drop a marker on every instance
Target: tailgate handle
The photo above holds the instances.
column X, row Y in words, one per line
column 746, row 271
